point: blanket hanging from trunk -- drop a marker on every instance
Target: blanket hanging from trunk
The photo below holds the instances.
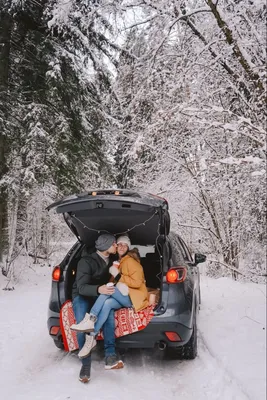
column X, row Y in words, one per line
column 126, row 321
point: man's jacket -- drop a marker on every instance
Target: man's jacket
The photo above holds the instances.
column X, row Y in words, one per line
column 92, row 272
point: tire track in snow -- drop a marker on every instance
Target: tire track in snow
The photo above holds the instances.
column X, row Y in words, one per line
column 221, row 365
column 148, row 375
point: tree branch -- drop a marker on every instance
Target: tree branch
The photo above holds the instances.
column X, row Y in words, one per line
column 236, row 270
column 198, row 227
column 236, row 49
column 225, row 66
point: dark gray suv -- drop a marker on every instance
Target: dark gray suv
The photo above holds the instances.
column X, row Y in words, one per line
column 167, row 262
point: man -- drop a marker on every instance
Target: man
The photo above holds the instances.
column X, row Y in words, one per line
column 130, row 291
column 91, row 278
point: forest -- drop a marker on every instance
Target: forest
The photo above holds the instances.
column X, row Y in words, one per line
column 168, row 97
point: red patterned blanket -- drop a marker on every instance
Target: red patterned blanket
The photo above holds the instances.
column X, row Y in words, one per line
column 126, row 321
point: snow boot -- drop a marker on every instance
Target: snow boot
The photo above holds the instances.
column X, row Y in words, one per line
column 89, row 344
column 86, row 325
column 113, row 362
column 84, row 375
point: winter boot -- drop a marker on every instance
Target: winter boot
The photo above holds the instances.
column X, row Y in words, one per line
column 86, row 325
column 113, row 362
column 89, row 344
column 84, row 376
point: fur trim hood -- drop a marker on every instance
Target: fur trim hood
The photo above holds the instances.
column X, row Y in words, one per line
column 134, row 253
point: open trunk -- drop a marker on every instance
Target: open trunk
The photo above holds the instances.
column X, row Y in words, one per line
column 150, row 261
column 143, row 217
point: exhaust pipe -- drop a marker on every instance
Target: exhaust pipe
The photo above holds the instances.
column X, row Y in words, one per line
column 162, row 345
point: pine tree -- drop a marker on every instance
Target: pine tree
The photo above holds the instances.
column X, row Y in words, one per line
column 56, row 120
column 5, row 34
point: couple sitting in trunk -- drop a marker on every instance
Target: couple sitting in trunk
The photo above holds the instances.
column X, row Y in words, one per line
column 128, row 289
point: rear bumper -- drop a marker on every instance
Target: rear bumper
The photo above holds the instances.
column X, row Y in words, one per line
column 149, row 337
column 154, row 334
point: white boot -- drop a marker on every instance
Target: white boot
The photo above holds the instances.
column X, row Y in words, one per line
column 86, row 325
column 89, row 344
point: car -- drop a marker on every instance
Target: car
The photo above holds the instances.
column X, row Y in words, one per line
column 169, row 266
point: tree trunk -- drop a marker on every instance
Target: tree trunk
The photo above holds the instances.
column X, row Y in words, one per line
column 3, row 203
column 254, row 77
column 5, row 36
column 21, row 232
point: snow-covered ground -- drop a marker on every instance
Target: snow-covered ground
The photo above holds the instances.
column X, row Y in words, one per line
column 231, row 364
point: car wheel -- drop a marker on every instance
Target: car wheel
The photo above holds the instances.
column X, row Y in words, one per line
column 59, row 344
column 188, row 351
column 199, row 298
column 199, row 292
column 190, row 348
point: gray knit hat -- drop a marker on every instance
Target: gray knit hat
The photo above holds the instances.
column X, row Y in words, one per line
column 104, row 241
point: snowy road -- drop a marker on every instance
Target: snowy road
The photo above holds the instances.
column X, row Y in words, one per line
column 32, row 368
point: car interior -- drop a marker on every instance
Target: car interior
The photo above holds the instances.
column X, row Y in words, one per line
column 150, row 261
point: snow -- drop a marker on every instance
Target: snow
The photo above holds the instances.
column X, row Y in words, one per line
column 230, row 365
column 60, row 13
column 233, row 326
column 249, row 159
column 258, row 173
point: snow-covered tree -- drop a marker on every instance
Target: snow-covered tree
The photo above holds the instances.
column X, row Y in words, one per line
column 54, row 77
column 191, row 106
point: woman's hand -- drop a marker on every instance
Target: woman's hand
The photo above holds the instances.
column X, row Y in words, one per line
column 113, row 271
column 104, row 289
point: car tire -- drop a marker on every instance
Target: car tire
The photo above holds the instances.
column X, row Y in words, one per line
column 190, row 348
column 59, row 344
column 188, row 351
column 199, row 298
column 199, row 292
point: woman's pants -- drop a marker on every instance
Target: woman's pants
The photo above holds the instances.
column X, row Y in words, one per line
column 105, row 303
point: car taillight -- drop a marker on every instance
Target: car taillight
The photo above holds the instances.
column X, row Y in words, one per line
column 173, row 337
column 176, row 275
column 54, row 330
column 56, row 273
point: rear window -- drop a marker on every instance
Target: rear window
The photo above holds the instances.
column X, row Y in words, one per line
column 180, row 252
column 144, row 250
column 185, row 251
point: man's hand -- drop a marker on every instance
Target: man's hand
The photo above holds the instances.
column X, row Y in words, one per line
column 104, row 289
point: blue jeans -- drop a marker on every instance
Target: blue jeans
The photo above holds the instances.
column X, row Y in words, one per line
column 82, row 305
column 103, row 306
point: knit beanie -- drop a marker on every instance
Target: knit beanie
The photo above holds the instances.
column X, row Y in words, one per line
column 124, row 239
column 104, row 241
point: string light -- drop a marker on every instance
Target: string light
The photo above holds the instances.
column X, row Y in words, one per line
column 129, row 230
column 118, row 233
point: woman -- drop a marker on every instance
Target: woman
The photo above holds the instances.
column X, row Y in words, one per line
column 131, row 274
column 130, row 291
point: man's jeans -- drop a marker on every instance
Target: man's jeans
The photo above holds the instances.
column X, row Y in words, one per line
column 82, row 305
column 105, row 304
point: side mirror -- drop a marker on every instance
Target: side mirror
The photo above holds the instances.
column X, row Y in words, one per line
column 199, row 258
